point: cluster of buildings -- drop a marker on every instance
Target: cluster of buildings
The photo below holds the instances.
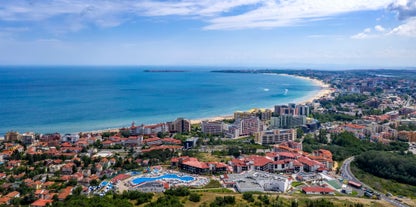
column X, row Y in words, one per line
column 265, row 122
column 285, row 157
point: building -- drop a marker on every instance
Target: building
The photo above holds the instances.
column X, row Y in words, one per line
column 52, row 139
column 252, row 181
column 212, row 128
column 28, row 138
column 317, row 190
column 302, row 110
column 262, row 114
column 152, row 141
column 180, row 125
column 286, row 121
column 248, row 126
column 193, row 165
column 285, row 110
column 275, row 136
column 190, row 142
column 12, row 136
column 72, row 138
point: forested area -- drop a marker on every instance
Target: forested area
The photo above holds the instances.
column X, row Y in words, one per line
column 399, row 167
column 345, row 144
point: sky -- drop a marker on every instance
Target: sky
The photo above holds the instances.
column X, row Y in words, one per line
column 252, row 33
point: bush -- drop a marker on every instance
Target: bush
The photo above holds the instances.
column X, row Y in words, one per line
column 194, row 197
column 248, row 196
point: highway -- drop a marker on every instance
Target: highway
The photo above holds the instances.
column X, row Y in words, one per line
column 347, row 174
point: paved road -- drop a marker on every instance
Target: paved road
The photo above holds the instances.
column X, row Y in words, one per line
column 347, row 174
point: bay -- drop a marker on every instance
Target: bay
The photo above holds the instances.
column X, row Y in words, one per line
column 83, row 98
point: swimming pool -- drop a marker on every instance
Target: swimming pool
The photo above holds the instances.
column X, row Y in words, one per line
column 140, row 180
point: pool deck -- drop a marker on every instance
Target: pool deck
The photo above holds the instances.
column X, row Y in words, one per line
column 198, row 181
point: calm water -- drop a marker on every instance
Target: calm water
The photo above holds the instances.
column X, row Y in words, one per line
column 140, row 180
column 73, row 99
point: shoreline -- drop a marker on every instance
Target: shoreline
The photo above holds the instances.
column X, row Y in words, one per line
column 324, row 90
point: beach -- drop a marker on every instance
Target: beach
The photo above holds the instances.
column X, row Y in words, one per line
column 324, row 91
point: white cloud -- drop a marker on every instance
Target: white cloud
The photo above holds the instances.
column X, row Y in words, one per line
column 407, row 29
column 379, row 28
column 287, row 13
column 366, row 33
column 219, row 14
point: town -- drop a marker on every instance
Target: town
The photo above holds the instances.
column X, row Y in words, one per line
column 294, row 149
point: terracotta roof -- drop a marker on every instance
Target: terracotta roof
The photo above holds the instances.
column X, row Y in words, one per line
column 317, row 189
column 195, row 163
column 13, row 194
column 355, row 126
column 154, row 139
column 259, row 161
column 41, row 202
column 65, row 193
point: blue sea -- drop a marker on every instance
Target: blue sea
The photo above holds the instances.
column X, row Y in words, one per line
column 74, row 99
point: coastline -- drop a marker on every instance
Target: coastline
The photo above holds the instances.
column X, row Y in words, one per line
column 324, row 91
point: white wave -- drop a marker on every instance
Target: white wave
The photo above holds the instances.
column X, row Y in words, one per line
column 266, row 89
column 286, row 90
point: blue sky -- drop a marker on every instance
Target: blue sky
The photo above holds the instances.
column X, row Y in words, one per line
column 264, row 33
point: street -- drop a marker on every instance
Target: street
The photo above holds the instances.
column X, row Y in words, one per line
column 347, row 174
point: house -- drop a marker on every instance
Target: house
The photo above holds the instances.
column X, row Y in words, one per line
column 5, row 200
column 171, row 141
column 67, row 168
column 41, row 193
column 193, row 165
column 41, row 203
column 107, row 143
column 310, row 165
column 152, row 141
column 64, row 193
column 316, row 190
column 14, row 194
column 252, row 162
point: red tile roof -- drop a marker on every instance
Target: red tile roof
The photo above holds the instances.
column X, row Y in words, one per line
column 41, row 202
column 317, row 189
column 195, row 163
column 259, row 161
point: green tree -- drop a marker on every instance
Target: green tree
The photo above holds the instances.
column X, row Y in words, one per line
column 194, row 197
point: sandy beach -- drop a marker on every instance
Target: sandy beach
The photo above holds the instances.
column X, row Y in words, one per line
column 324, row 91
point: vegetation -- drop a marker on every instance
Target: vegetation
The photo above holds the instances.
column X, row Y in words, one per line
column 93, row 202
column 194, row 197
column 179, row 191
column 248, row 196
column 223, row 201
column 399, row 167
column 345, row 145
column 164, row 201
column 213, row 184
column 384, row 185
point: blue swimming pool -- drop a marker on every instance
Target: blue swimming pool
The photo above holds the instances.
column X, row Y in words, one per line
column 140, row 180
column 104, row 183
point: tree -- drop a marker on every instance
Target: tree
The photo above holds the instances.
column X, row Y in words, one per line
column 299, row 133
column 248, row 196
column 77, row 191
column 94, row 182
column 194, row 197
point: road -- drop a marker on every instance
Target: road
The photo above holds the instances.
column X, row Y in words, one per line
column 347, row 174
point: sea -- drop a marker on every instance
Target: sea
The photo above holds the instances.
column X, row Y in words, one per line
column 70, row 99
